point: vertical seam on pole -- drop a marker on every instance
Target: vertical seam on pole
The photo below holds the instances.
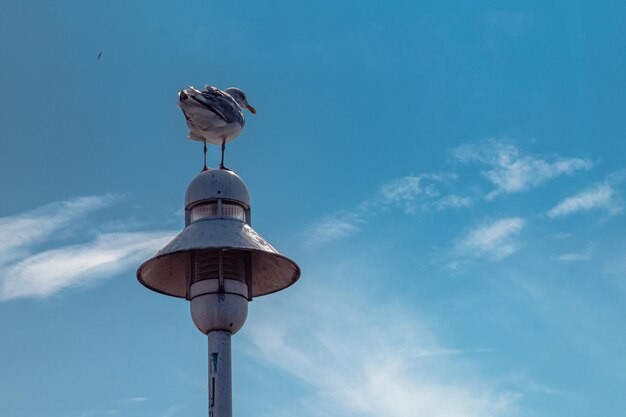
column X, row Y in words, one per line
column 248, row 264
column 191, row 271
column 221, row 270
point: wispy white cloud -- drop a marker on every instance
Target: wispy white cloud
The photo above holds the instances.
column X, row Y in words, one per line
column 404, row 192
column 524, row 382
column 511, row 171
column 581, row 256
column 601, row 196
column 366, row 364
column 504, row 165
column 410, row 194
column 32, row 227
column 134, row 400
column 494, row 241
column 121, row 406
column 334, row 227
column 454, row 201
column 50, row 271
column 26, row 271
column 420, row 192
column 568, row 258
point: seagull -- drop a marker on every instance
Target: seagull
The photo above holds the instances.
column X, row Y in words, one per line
column 213, row 115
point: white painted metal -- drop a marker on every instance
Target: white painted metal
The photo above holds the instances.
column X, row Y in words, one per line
column 218, row 311
column 220, row 374
column 216, row 184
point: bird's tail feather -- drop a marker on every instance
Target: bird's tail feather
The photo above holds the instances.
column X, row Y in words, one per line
column 194, row 136
column 185, row 93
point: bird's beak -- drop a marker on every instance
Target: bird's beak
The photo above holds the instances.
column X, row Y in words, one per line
column 252, row 109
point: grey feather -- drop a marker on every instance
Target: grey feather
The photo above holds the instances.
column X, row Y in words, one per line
column 221, row 103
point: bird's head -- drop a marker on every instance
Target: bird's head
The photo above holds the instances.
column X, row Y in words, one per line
column 240, row 98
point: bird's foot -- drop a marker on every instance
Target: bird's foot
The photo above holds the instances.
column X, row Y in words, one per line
column 222, row 166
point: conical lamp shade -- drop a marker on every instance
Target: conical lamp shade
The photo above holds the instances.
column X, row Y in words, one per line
column 168, row 272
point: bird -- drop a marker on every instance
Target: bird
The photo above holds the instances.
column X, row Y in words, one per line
column 214, row 116
column 100, row 55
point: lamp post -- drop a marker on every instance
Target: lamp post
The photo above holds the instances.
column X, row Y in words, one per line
column 219, row 263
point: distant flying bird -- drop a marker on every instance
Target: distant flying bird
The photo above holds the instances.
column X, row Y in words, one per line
column 213, row 115
column 100, row 54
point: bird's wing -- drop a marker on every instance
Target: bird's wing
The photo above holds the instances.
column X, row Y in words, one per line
column 220, row 103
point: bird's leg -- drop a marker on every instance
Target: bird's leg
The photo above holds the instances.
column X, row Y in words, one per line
column 205, row 167
column 223, row 148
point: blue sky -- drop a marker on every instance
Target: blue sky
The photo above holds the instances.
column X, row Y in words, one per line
column 449, row 176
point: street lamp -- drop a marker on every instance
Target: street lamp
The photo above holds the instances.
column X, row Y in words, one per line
column 219, row 263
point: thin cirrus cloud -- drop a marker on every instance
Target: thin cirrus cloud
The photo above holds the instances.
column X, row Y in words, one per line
column 34, row 226
column 602, row 196
column 48, row 272
column 335, row 227
column 494, row 241
column 404, row 368
column 568, row 258
column 410, row 194
column 404, row 193
column 26, row 271
column 113, row 408
column 511, row 171
column 135, row 400
column 423, row 192
column 503, row 164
